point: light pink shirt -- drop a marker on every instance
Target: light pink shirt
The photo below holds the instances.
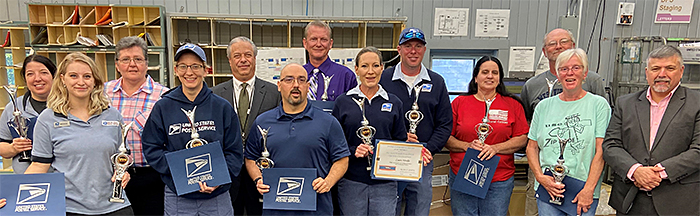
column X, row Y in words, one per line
column 656, row 114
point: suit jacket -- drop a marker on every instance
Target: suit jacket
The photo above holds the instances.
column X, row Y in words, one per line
column 265, row 97
column 676, row 147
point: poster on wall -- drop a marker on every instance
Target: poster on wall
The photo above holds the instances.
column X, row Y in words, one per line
column 521, row 59
column 344, row 57
column 271, row 61
column 491, row 23
column 451, row 22
column 674, row 11
column 625, row 13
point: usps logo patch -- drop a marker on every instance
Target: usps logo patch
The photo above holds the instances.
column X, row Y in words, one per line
column 174, row 129
column 290, row 186
column 386, row 107
column 198, row 165
column 110, row 123
column 427, row 87
column 36, row 193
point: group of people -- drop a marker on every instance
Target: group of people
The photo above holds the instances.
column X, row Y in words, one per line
column 77, row 115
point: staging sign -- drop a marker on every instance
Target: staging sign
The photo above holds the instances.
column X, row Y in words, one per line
column 674, row 11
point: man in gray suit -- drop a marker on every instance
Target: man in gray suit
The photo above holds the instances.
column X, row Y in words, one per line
column 653, row 143
column 250, row 97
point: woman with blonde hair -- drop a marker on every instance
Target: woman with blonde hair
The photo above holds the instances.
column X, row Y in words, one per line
column 76, row 135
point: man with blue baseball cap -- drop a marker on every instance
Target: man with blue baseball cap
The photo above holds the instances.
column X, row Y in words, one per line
column 434, row 102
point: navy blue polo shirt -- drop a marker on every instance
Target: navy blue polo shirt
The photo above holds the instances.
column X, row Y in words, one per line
column 310, row 139
column 384, row 113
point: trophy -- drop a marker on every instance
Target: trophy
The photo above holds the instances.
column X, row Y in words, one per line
column 18, row 122
column 195, row 141
column 559, row 170
column 327, row 81
column 366, row 132
column 483, row 129
column 550, row 86
column 414, row 116
column 121, row 161
column 264, row 162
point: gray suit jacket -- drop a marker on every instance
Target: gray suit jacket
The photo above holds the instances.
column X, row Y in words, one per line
column 265, row 97
column 676, row 147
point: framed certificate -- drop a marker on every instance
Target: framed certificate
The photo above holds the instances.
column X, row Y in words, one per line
column 396, row 160
column 205, row 163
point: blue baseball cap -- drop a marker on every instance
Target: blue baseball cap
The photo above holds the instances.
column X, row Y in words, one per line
column 410, row 34
column 193, row 49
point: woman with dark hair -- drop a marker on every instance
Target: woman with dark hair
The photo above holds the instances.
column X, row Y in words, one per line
column 509, row 133
column 37, row 72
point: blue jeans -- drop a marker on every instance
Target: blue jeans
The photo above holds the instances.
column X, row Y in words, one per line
column 176, row 205
column 357, row 198
column 417, row 195
column 547, row 209
column 496, row 201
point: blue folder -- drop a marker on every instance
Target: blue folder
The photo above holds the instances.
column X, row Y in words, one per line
column 290, row 189
column 204, row 163
column 571, row 185
column 34, row 194
column 474, row 176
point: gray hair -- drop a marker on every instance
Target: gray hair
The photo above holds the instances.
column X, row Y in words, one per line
column 367, row 50
column 570, row 53
column 571, row 36
column 320, row 24
column 241, row 39
column 132, row 41
column 665, row 51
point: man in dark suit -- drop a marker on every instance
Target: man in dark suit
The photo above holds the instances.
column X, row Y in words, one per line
column 653, row 143
column 250, row 97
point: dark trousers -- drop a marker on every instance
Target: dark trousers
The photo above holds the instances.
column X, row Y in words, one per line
column 145, row 191
column 121, row 212
column 246, row 198
column 642, row 205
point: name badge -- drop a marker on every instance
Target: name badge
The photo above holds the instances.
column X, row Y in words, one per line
column 61, row 124
column 110, row 123
column 427, row 88
column 386, row 107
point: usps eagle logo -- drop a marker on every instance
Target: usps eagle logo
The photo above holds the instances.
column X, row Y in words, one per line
column 290, row 186
column 198, row 165
column 36, row 193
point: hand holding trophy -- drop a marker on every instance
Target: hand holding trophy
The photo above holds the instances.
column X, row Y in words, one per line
column 264, row 162
column 366, row 132
column 19, row 123
column 121, row 161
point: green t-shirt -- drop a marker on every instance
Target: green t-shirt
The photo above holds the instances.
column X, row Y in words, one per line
column 581, row 121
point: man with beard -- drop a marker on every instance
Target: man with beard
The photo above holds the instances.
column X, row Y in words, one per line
column 299, row 136
column 536, row 89
column 652, row 143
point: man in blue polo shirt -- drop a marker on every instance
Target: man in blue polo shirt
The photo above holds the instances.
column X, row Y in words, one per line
column 434, row 102
column 320, row 69
column 299, row 136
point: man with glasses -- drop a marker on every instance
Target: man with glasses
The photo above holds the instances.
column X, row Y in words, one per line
column 134, row 95
column 249, row 97
column 536, row 89
column 433, row 101
column 327, row 79
column 299, row 136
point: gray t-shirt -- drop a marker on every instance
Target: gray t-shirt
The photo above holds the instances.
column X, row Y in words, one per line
column 81, row 151
column 536, row 89
column 5, row 130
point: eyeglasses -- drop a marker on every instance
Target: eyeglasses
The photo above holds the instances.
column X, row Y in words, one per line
column 289, row 80
column 128, row 60
column 195, row 67
column 562, row 42
column 414, row 34
column 575, row 68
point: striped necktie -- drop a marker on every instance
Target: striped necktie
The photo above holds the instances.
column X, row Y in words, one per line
column 313, row 84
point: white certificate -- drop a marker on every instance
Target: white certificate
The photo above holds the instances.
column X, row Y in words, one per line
column 395, row 160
